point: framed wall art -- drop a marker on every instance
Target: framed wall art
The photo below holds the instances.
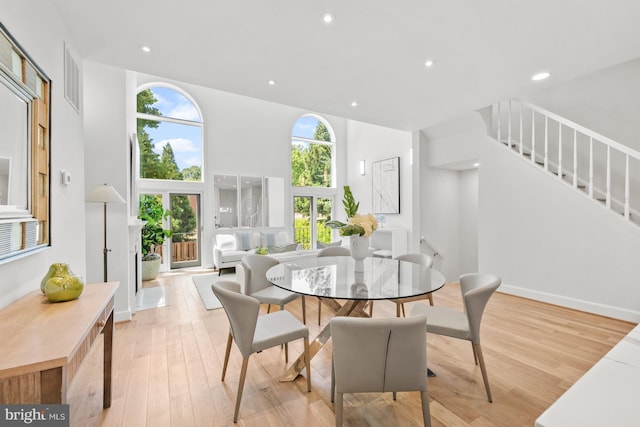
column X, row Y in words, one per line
column 386, row 186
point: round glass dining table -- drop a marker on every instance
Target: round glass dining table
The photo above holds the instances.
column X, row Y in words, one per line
column 343, row 277
column 346, row 286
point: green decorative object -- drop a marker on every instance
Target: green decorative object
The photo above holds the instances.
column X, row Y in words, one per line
column 60, row 284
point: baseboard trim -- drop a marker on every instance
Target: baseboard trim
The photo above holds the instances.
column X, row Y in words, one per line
column 122, row 316
column 574, row 303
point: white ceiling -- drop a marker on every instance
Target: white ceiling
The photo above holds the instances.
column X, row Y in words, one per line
column 373, row 53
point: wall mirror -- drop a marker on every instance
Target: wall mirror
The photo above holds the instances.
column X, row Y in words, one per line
column 24, row 151
column 251, row 201
column 248, row 201
column 226, row 201
column 386, row 186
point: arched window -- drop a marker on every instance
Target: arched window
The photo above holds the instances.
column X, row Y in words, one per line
column 312, row 148
column 312, row 180
column 169, row 130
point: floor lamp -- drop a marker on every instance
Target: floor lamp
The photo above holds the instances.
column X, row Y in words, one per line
column 105, row 194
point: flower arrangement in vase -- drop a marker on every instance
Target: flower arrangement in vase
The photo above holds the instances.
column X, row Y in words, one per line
column 358, row 227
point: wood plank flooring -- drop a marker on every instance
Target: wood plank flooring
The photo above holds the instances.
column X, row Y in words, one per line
column 167, row 365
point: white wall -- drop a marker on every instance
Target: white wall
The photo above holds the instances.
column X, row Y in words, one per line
column 106, row 157
column 46, row 46
column 468, row 184
column 607, row 102
column 550, row 242
column 449, row 193
column 372, row 143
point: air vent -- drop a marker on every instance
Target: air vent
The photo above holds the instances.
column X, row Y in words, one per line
column 71, row 80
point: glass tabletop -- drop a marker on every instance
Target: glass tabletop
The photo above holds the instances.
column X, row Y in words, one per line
column 345, row 278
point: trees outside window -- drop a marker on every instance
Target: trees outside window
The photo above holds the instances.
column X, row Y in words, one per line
column 312, row 151
column 169, row 130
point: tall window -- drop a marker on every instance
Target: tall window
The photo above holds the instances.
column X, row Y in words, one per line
column 312, row 179
column 311, row 153
column 169, row 130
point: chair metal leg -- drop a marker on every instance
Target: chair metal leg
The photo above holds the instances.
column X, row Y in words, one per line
column 483, row 369
column 304, row 310
column 475, row 356
column 286, row 352
column 426, row 411
column 268, row 308
column 333, row 381
column 338, row 405
column 370, row 308
column 243, row 375
column 319, row 310
column 307, row 361
column 226, row 355
column 395, row 395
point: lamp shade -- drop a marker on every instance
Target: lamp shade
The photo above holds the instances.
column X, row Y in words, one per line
column 104, row 194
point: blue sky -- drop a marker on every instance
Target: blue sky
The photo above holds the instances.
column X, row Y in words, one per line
column 185, row 140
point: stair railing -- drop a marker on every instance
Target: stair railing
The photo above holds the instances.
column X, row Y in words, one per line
column 525, row 117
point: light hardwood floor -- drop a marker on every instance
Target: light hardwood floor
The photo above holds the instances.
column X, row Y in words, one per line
column 167, row 366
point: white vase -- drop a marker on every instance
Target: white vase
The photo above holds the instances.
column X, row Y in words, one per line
column 359, row 247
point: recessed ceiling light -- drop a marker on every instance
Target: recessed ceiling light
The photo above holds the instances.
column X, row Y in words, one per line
column 540, row 76
column 271, row 82
column 145, row 49
column 476, row 164
column 328, row 18
column 429, row 63
column 354, row 104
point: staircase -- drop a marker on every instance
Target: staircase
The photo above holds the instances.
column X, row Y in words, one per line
column 602, row 169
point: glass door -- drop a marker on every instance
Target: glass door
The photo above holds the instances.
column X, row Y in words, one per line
column 310, row 213
column 185, row 228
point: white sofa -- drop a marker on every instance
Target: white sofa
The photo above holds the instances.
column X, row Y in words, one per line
column 231, row 245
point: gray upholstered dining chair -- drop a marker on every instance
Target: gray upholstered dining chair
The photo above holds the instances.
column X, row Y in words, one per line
column 331, row 251
column 476, row 289
column 416, row 258
column 379, row 355
column 253, row 333
column 253, row 280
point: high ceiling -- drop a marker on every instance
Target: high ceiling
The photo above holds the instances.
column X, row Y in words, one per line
column 373, row 53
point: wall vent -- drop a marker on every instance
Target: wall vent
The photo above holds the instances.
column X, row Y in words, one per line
column 71, row 80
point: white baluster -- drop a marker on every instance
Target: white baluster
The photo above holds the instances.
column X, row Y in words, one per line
column 521, row 144
column 499, row 122
column 575, row 158
column 546, row 142
column 608, row 195
column 626, row 188
column 591, row 166
column 559, row 150
column 509, row 126
column 533, row 135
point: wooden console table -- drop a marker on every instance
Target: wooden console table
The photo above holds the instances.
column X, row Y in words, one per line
column 44, row 344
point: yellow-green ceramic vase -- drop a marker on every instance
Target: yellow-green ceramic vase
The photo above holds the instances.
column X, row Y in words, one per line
column 60, row 284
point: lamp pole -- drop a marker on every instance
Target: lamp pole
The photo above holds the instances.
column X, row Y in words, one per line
column 105, row 194
column 105, row 250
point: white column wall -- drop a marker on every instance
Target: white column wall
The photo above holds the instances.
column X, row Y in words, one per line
column 106, row 160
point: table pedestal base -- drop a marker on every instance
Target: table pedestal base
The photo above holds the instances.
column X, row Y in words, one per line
column 355, row 308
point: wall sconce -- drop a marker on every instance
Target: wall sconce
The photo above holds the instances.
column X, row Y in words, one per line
column 362, row 167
